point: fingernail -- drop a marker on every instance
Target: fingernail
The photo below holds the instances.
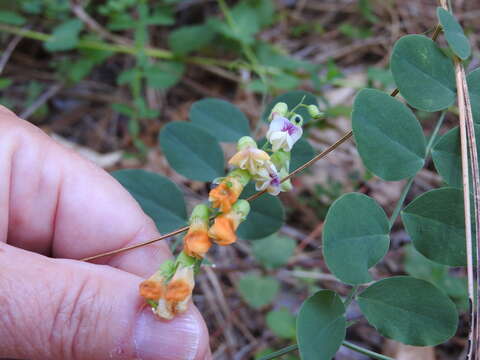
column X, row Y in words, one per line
column 157, row 339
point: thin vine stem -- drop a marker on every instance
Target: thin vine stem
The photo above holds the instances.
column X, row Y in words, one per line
column 280, row 352
column 348, row 344
column 364, row 351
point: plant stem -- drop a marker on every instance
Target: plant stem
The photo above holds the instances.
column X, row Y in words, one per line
column 345, row 343
column 409, row 183
column 351, row 296
column 364, row 351
column 126, row 49
column 280, row 352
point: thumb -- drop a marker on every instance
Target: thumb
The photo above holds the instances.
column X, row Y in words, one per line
column 65, row 309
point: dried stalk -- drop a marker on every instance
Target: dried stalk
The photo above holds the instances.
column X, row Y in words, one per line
column 469, row 163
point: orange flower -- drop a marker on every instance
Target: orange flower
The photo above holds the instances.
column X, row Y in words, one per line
column 177, row 295
column 225, row 194
column 228, row 190
column 225, row 225
column 223, row 230
column 151, row 290
column 197, row 242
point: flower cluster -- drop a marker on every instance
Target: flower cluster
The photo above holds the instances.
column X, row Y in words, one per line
column 169, row 290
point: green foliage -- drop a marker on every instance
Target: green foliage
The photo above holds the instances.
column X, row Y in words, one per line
column 473, row 81
column 454, row 34
column 389, row 137
column 352, row 247
column 321, row 326
column 159, row 197
column 435, row 222
column 273, row 251
column 258, row 291
column 409, row 310
column 282, row 323
column 220, row 118
column 164, row 75
column 293, row 98
column 447, row 156
column 420, row 267
column 187, row 39
column 423, row 73
column 11, row 18
column 65, row 36
column 302, row 152
column 266, row 216
column 191, row 151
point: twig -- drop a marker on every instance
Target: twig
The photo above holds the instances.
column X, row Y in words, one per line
column 80, row 12
column 41, row 100
column 467, row 143
column 8, row 51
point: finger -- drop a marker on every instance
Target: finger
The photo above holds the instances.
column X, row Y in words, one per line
column 84, row 311
column 57, row 203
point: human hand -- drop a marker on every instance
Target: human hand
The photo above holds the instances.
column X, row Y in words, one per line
column 54, row 203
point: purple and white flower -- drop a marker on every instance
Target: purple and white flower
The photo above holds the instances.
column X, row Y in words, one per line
column 268, row 178
column 283, row 133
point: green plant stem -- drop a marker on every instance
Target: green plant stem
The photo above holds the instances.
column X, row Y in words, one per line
column 345, row 343
column 364, row 351
column 280, row 352
column 125, row 49
column 409, row 183
column 351, row 296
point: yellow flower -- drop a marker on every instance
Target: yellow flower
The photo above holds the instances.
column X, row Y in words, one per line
column 225, row 225
column 228, row 190
column 197, row 242
column 249, row 157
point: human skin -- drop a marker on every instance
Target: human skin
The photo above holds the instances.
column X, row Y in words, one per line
column 56, row 207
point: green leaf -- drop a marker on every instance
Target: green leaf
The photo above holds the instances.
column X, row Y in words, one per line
column 355, row 237
column 191, row 151
column 473, row 81
column 4, row 83
column 273, row 251
column 282, row 323
column 164, row 75
column 321, row 326
column 447, row 157
column 266, row 216
column 409, row 310
column 11, row 18
column 292, row 99
column 64, row 36
column 159, row 197
column 435, row 222
column 420, row 267
column 258, row 291
column 454, row 34
column 302, row 152
column 389, row 138
column 220, row 118
column 423, row 73
column 190, row 38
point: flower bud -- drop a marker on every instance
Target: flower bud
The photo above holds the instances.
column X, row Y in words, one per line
column 314, row 111
column 280, row 108
column 225, row 225
column 246, row 142
column 196, row 241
